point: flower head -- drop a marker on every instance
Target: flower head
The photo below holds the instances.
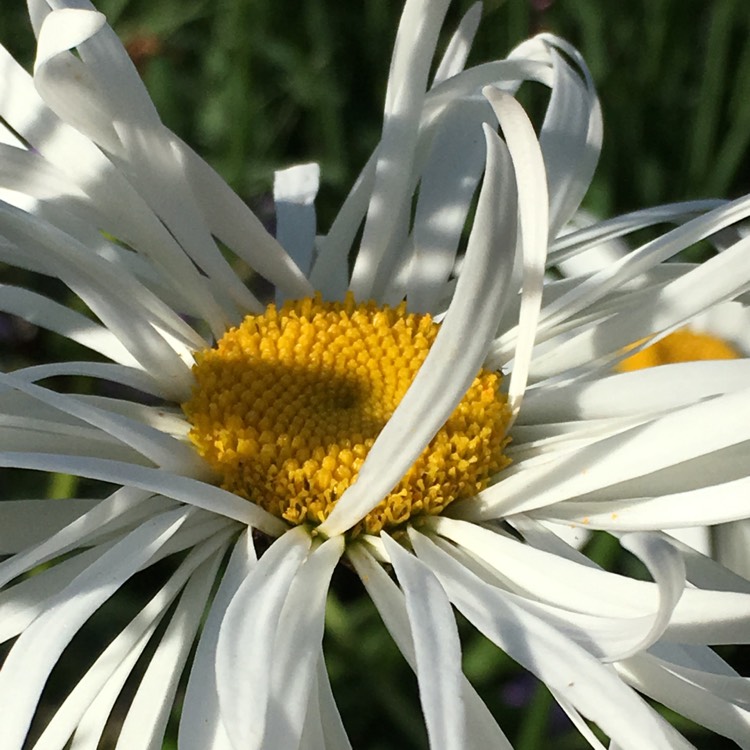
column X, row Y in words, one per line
column 412, row 398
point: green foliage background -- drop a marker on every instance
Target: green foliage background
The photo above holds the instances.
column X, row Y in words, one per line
column 258, row 84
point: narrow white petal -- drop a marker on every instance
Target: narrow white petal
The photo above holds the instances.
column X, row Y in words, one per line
column 448, row 183
column 330, row 272
column 668, row 571
column 732, row 544
column 294, row 191
column 504, row 74
column 533, row 210
column 719, row 279
column 459, row 46
column 389, row 601
column 571, row 241
column 91, row 727
column 580, row 723
column 34, row 654
column 710, row 505
column 53, row 436
column 329, row 716
column 654, row 389
column 200, row 725
column 607, row 638
column 46, row 313
column 545, row 576
column 245, row 650
column 437, row 649
column 691, row 700
column 134, row 637
column 415, row 45
column 63, row 80
column 593, row 688
column 163, row 450
column 146, row 720
column 124, row 212
column 24, row 602
column 120, row 302
column 661, row 443
column 154, row 165
column 706, row 573
column 622, row 608
column 297, row 646
column 130, row 376
column 70, row 536
column 559, row 539
column 184, row 489
column 239, row 228
column 571, row 136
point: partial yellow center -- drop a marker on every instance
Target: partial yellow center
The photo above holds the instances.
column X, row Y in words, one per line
column 287, row 405
column 681, row 346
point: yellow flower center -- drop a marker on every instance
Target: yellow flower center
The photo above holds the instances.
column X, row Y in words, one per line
column 287, row 405
column 683, row 345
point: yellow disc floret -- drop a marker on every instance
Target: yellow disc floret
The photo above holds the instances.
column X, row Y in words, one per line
column 683, row 345
column 287, row 405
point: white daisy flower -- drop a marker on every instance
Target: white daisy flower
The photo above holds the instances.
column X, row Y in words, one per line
column 362, row 417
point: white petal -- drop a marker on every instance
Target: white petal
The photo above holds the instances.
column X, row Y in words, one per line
column 437, row 649
column 63, row 80
column 180, row 488
column 531, row 186
column 329, row 716
column 154, row 166
column 245, row 649
column 121, row 374
column 571, row 136
column 415, row 44
column 458, row 48
column 651, row 390
column 448, row 183
column 389, row 601
column 236, row 225
column 72, row 534
column 200, row 724
column 124, row 211
column 22, row 603
column 133, row 638
column 719, row 279
column 504, row 74
column 691, row 700
column 330, row 272
column 732, row 543
column 603, row 231
column 146, row 720
column 44, row 312
column 297, row 646
column 607, row 638
column 34, row 654
column 294, row 190
column 663, row 442
column 120, row 302
column 163, row 450
column 558, row 661
column 709, row 505
column 91, row 727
